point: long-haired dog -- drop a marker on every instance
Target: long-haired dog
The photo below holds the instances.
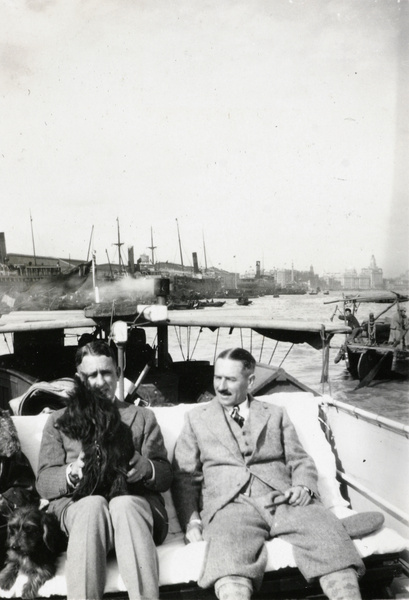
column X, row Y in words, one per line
column 106, row 441
column 34, row 542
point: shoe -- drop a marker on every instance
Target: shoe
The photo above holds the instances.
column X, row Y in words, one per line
column 362, row 524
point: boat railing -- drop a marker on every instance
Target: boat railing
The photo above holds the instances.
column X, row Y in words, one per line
column 369, row 477
column 390, row 508
column 370, row 417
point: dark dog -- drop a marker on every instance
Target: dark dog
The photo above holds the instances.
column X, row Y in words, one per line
column 106, row 441
column 34, row 541
column 106, row 463
column 17, row 497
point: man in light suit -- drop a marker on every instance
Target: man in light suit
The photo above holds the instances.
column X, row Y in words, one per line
column 239, row 481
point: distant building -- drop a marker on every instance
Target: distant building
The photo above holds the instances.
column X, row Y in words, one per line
column 350, row 279
column 399, row 283
column 332, row 281
column 370, row 278
column 284, row 277
column 374, row 274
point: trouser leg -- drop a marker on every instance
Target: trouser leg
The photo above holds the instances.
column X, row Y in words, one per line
column 235, row 545
column 135, row 550
column 90, row 538
column 320, row 542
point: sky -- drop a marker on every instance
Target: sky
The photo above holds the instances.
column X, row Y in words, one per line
column 270, row 130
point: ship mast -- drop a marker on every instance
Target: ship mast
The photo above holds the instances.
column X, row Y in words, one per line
column 119, row 244
column 32, row 237
column 90, row 243
column 180, row 245
column 152, row 248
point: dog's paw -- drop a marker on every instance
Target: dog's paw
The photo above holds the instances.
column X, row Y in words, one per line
column 30, row 590
column 7, row 579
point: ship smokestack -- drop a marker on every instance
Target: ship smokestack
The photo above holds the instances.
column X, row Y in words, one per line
column 258, row 270
column 131, row 260
column 3, row 251
column 195, row 263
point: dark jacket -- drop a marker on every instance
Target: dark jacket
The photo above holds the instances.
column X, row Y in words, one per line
column 58, row 450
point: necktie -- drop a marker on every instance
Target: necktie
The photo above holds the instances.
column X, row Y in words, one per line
column 235, row 414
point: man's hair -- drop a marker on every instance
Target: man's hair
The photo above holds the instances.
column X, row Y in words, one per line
column 247, row 360
column 95, row 348
column 348, row 310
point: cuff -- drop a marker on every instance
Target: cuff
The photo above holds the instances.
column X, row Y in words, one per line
column 311, row 493
column 152, row 478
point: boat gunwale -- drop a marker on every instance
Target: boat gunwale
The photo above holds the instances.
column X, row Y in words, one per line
column 373, row 418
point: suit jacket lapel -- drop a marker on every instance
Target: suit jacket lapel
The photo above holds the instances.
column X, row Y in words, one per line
column 259, row 416
column 215, row 421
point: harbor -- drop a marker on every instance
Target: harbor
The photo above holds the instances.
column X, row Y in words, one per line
column 182, row 178
column 389, row 398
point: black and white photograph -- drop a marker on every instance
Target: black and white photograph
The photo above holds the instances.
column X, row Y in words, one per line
column 204, row 284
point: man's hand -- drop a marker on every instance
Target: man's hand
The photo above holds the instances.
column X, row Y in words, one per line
column 140, row 468
column 77, row 466
column 296, row 496
column 194, row 532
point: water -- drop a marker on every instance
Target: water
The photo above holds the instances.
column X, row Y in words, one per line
column 387, row 398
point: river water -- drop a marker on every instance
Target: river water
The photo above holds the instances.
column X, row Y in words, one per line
column 387, row 398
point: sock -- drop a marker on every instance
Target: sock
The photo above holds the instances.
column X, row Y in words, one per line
column 341, row 585
column 233, row 588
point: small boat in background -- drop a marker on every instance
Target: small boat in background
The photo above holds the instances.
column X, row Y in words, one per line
column 211, row 303
column 243, row 301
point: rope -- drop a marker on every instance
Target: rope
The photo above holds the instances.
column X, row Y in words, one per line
column 112, row 314
column 197, row 339
column 188, row 331
column 215, row 348
column 273, row 352
column 7, row 343
column 261, row 349
column 291, row 347
column 180, row 343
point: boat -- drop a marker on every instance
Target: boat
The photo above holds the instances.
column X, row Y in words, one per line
column 372, row 354
column 292, row 290
column 58, row 291
column 243, row 301
column 181, row 305
column 212, row 303
column 370, row 452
